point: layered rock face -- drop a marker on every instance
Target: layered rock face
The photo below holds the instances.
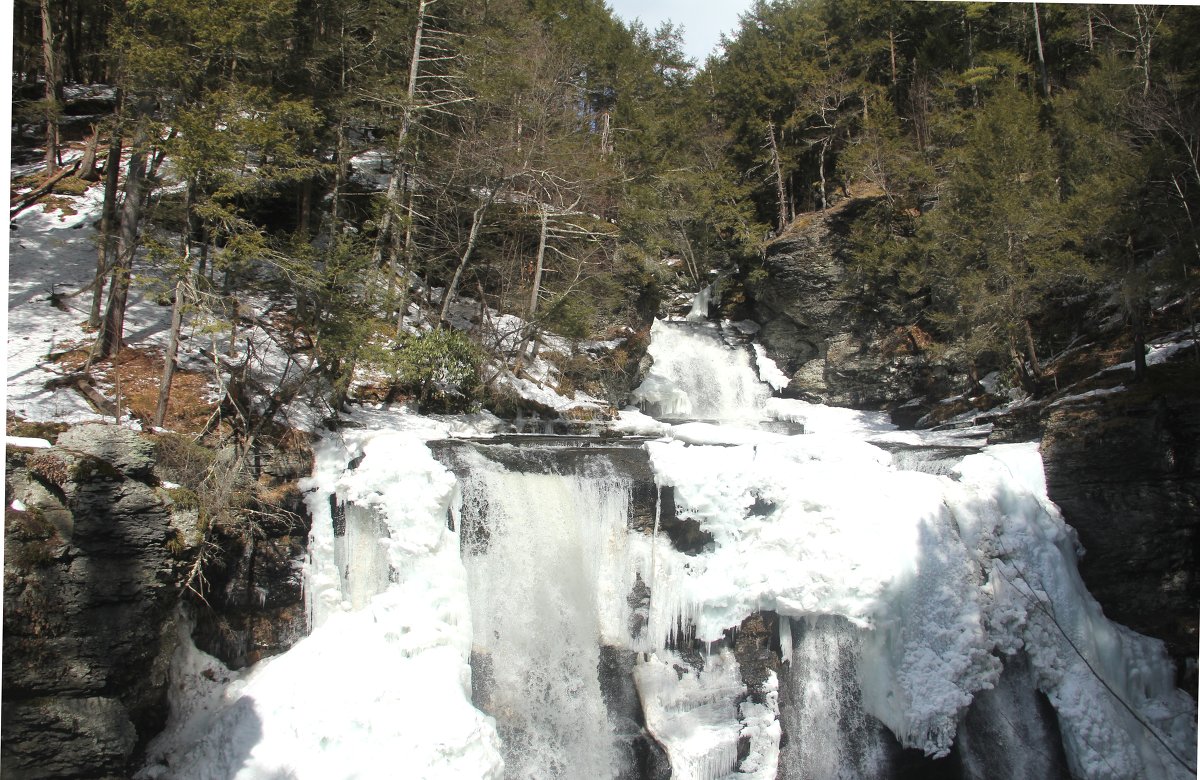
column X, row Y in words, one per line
column 95, row 567
column 256, row 583
column 92, row 573
column 834, row 350
column 1125, row 470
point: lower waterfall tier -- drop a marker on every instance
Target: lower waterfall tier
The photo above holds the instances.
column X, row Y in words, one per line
column 746, row 605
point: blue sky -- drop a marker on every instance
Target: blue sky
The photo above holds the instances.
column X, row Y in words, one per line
column 703, row 20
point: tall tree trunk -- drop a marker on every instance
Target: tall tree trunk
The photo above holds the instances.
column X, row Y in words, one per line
column 892, row 52
column 164, row 389
column 1035, row 365
column 104, row 248
column 304, row 216
column 409, row 254
column 51, row 89
column 531, row 332
column 777, row 167
column 544, row 219
column 1187, row 287
column 472, row 238
column 821, row 173
column 1037, row 31
column 339, row 182
column 1138, row 317
column 399, row 171
column 1136, row 306
column 113, row 325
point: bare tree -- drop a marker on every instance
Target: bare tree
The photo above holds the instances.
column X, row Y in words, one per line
column 50, row 62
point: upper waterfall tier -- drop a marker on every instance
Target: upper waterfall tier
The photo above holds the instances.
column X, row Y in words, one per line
column 698, row 375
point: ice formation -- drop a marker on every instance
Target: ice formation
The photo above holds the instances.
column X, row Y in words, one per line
column 902, row 597
column 381, row 688
column 695, row 375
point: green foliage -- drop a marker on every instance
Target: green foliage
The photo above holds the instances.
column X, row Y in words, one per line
column 440, row 367
column 183, row 498
column 993, row 196
column 570, row 315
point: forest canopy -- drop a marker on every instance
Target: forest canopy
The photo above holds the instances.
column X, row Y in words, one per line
column 362, row 156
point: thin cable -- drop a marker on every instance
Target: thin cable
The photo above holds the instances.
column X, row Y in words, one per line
column 1031, row 596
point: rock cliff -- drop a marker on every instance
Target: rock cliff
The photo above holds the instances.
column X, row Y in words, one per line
column 99, row 545
column 834, row 349
column 92, row 575
column 1125, row 470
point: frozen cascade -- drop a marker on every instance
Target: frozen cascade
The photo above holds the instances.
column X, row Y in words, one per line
column 696, row 375
column 929, row 591
column 700, row 303
column 360, row 559
column 381, row 687
column 831, row 737
column 693, row 712
column 545, row 559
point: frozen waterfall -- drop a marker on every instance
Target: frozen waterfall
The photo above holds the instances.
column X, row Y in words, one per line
column 712, row 600
column 544, row 562
column 697, row 375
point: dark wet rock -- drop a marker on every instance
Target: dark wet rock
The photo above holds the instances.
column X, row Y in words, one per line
column 1011, row 730
column 814, row 327
column 756, row 647
column 1125, row 470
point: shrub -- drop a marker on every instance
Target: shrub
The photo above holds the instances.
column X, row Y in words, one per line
column 441, row 368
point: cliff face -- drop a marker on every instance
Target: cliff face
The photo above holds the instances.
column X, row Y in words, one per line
column 95, row 568
column 92, row 573
column 834, row 349
column 1125, row 470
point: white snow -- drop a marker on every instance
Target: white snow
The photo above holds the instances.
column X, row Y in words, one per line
column 27, row 442
column 768, row 371
column 381, row 688
column 1098, row 393
column 51, row 252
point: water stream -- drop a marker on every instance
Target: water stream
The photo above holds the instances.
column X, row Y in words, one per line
column 758, row 588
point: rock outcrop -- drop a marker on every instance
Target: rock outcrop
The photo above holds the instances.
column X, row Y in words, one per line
column 834, row 350
column 99, row 546
column 255, row 579
column 1125, row 470
column 92, row 573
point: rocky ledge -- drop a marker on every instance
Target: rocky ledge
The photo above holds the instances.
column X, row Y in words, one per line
column 100, row 547
column 1124, row 467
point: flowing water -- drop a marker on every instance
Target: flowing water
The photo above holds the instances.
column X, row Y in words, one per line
column 730, row 598
column 831, row 735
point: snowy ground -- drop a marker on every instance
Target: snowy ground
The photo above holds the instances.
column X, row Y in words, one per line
column 52, row 256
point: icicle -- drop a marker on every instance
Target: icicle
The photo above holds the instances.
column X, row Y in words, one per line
column 658, row 488
column 785, row 638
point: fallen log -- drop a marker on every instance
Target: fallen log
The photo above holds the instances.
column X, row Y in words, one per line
column 28, row 199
